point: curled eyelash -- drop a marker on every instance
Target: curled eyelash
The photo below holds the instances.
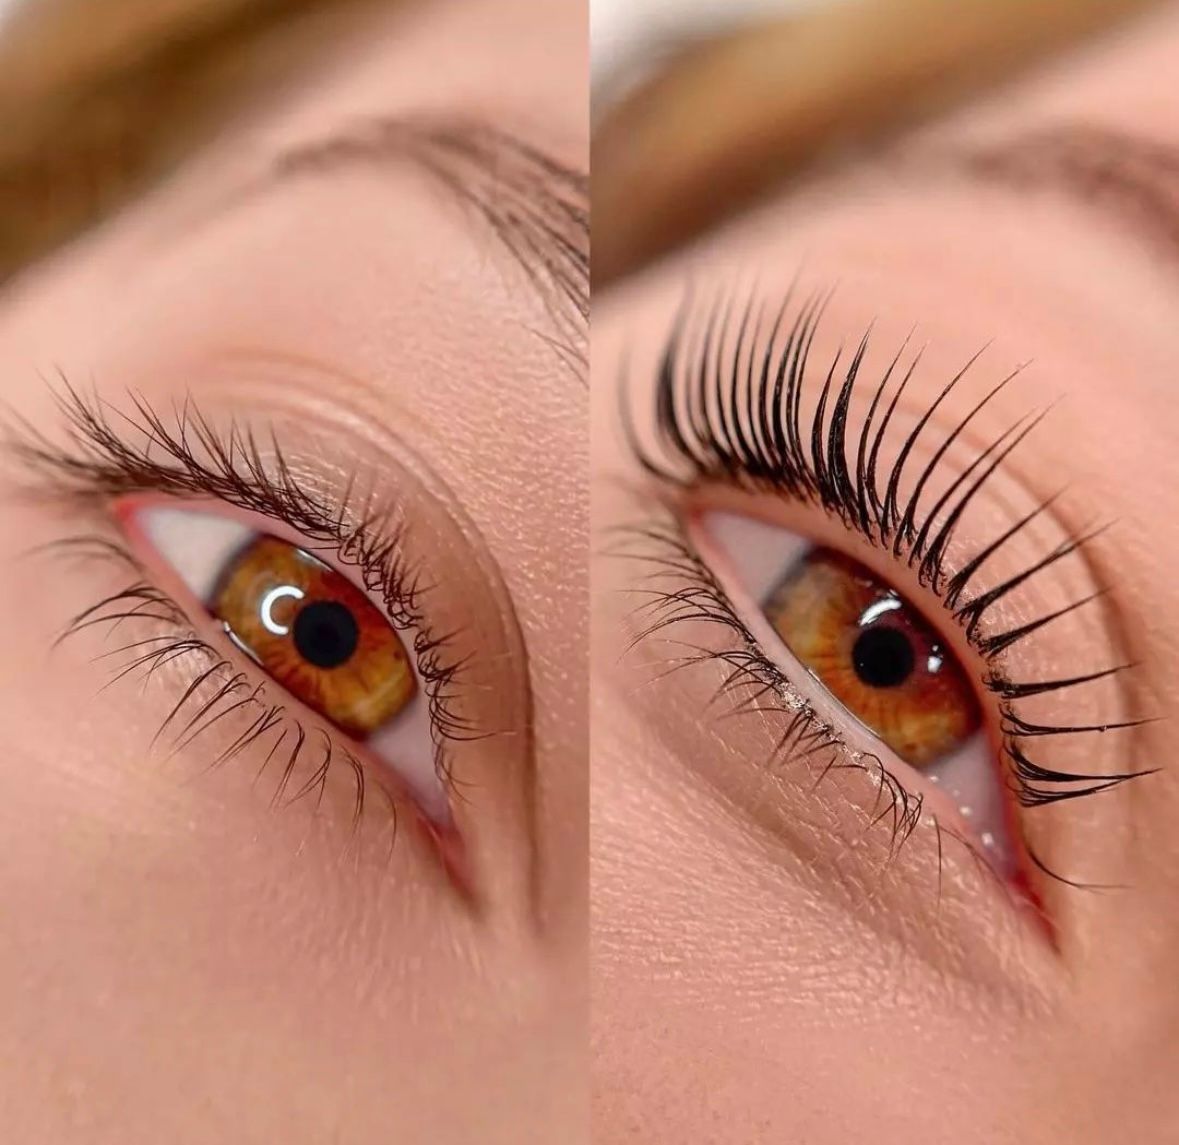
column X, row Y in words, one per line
column 729, row 410
column 186, row 455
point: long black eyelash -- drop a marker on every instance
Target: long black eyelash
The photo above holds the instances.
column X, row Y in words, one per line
column 187, row 455
column 729, row 409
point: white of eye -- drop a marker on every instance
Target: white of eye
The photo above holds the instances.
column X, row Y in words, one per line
column 197, row 545
column 752, row 552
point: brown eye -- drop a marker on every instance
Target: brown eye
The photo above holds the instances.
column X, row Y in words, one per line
column 875, row 654
column 317, row 634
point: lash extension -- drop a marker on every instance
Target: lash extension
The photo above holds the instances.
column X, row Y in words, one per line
column 728, row 409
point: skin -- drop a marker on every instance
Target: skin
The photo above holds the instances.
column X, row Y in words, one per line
column 181, row 961
column 762, row 970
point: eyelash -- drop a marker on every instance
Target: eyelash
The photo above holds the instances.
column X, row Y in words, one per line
column 727, row 412
column 190, row 457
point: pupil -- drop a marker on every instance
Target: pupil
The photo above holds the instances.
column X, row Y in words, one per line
column 882, row 657
column 325, row 633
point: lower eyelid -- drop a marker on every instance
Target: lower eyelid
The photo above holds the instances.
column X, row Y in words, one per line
column 837, row 820
column 302, row 757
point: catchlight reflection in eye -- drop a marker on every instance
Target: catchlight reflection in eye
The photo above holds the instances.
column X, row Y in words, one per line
column 873, row 652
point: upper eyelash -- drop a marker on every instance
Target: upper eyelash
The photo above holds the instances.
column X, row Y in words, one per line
column 728, row 407
column 190, row 456
column 103, row 463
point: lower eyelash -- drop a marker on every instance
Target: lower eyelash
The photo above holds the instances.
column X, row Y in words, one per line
column 217, row 690
column 680, row 588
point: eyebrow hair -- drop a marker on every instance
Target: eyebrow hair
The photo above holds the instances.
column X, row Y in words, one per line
column 535, row 205
column 1131, row 179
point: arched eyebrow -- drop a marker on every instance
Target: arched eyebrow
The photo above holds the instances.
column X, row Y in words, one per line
column 535, row 205
column 1132, row 180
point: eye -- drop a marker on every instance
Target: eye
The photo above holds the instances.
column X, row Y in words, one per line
column 314, row 632
column 877, row 660
column 874, row 654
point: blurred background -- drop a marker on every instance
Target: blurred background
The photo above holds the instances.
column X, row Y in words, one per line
column 629, row 36
column 99, row 99
column 703, row 106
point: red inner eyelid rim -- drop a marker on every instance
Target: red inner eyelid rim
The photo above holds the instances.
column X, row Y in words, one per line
column 752, row 616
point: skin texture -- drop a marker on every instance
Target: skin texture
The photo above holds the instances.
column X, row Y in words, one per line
column 762, row 971
column 181, row 961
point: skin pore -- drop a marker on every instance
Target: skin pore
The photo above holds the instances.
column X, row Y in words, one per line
column 764, row 970
column 183, row 961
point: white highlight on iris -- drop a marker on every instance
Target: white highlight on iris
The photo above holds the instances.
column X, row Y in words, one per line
column 879, row 608
column 268, row 601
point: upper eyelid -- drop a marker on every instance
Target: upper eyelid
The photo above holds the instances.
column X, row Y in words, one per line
column 119, row 453
column 384, row 523
column 823, row 456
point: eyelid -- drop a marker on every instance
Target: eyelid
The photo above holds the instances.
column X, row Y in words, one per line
column 846, row 447
column 325, row 478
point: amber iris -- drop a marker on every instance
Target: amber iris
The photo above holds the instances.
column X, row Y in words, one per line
column 316, row 633
column 875, row 654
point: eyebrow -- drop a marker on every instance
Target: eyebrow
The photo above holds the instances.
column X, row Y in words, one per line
column 1132, row 180
column 536, row 205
